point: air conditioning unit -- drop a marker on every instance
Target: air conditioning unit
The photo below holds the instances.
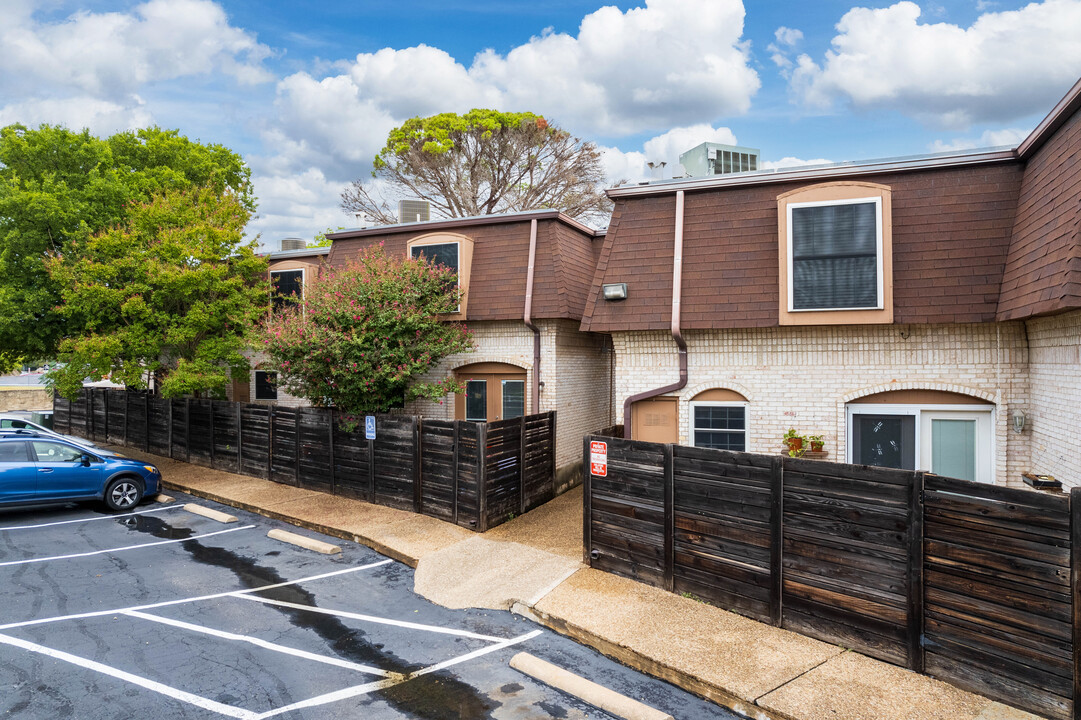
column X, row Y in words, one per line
column 414, row 211
column 717, row 159
column 294, row 243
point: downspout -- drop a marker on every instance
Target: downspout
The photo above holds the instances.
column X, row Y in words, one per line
column 677, row 334
column 529, row 315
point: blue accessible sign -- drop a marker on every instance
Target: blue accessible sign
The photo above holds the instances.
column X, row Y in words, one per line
column 369, row 427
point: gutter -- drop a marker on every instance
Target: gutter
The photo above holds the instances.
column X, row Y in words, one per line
column 528, row 315
column 677, row 333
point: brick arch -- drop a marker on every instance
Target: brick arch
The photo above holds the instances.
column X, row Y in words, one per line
column 992, row 398
column 478, row 358
column 692, row 390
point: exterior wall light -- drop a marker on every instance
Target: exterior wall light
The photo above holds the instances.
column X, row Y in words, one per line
column 615, row 291
column 1018, row 421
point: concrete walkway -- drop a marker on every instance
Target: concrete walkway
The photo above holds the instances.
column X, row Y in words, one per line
column 532, row 565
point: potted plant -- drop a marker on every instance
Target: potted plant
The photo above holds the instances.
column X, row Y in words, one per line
column 817, row 442
column 794, row 442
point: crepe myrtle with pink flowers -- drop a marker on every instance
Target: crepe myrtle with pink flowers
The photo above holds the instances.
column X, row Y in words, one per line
column 362, row 336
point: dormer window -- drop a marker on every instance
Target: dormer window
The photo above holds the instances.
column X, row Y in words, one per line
column 448, row 250
column 287, row 288
column 835, row 250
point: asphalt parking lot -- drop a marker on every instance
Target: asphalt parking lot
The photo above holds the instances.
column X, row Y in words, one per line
column 165, row 613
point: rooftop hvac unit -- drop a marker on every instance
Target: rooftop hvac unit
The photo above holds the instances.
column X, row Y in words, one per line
column 414, row 211
column 294, row 243
column 716, row 159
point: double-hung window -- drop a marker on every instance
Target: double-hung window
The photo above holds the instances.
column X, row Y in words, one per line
column 443, row 254
column 835, row 255
column 287, row 287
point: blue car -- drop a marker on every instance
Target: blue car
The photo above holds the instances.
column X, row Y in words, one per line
column 38, row 468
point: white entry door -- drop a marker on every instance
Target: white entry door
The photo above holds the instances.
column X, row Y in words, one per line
column 956, row 444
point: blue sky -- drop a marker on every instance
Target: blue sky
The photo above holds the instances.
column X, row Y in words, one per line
column 307, row 92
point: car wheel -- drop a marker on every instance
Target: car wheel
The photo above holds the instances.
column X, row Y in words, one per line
column 124, row 493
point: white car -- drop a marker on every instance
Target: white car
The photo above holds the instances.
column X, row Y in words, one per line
column 9, row 421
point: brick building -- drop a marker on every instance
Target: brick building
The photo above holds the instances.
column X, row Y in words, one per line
column 919, row 312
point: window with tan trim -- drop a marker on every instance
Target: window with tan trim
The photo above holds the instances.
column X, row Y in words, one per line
column 448, row 249
column 835, row 252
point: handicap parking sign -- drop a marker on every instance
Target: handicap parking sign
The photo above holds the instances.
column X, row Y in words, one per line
column 369, row 427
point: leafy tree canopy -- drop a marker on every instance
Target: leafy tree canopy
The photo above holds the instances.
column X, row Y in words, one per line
column 363, row 336
column 481, row 163
column 59, row 186
column 173, row 292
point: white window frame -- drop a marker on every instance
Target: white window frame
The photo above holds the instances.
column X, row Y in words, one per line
column 985, row 461
column 879, row 268
column 303, row 281
column 722, row 403
column 457, row 272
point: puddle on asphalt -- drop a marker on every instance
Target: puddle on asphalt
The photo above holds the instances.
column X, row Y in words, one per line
column 155, row 526
column 436, row 696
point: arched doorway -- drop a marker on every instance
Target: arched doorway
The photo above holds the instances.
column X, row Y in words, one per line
column 493, row 391
column 945, row 433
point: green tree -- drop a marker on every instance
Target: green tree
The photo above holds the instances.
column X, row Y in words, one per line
column 59, row 186
column 362, row 336
column 173, row 294
column 481, row 163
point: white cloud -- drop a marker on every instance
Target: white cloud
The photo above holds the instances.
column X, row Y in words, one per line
column 787, row 163
column 788, row 36
column 623, row 73
column 100, row 116
column 88, row 70
column 631, row 166
column 296, row 205
column 1011, row 137
column 1005, row 65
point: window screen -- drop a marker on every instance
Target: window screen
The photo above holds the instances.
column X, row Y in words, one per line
column 835, row 256
column 720, row 427
column 265, row 387
column 288, row 287
column 445, row 254
column 476, row 400
column 513, row 398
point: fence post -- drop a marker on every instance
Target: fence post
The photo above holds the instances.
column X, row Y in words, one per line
column 418, row 460
column 213, row 437
column 669, row 518
column 1075, row 594
column 587, row 504
column 105, row 402
column 521, row 468
column 187, row 429
column 296, row 447
column 330, row 443
column 127, row 406
column 239, row 438
column 146, row 422
column 776, row 542
column 457, row 456
column 88, row 419
column 915, row 574
column 552, row 455
column 170, row 401
column 482, row 477
column 270, row 442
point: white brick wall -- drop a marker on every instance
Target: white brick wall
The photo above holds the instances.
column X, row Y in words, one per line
column 1055, row 382
column 574, row 369
column 802, row 376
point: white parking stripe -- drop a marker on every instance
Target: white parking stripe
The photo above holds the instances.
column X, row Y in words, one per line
column 261, row 643
column 122, row 549
column 199, row 598
column 91, row 519
column 357, row 690
column 373, row 619
column 166, row 690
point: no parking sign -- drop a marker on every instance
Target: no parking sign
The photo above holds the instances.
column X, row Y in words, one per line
column 598, row 458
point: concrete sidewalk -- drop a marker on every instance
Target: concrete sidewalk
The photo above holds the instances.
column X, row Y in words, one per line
column 532, row 565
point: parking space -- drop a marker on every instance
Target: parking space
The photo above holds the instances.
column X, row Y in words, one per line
column 167, row 612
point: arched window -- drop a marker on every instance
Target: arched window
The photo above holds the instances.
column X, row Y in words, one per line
column 718, row 420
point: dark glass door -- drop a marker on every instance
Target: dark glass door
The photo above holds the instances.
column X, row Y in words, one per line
column 884, row 441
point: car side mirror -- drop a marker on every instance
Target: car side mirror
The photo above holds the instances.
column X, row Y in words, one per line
column 86, row 460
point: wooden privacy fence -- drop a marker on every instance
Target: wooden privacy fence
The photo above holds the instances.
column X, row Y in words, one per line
column 473, row 474
column 971, row 583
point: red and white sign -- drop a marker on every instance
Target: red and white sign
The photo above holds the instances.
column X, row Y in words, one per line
column 598, row 458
